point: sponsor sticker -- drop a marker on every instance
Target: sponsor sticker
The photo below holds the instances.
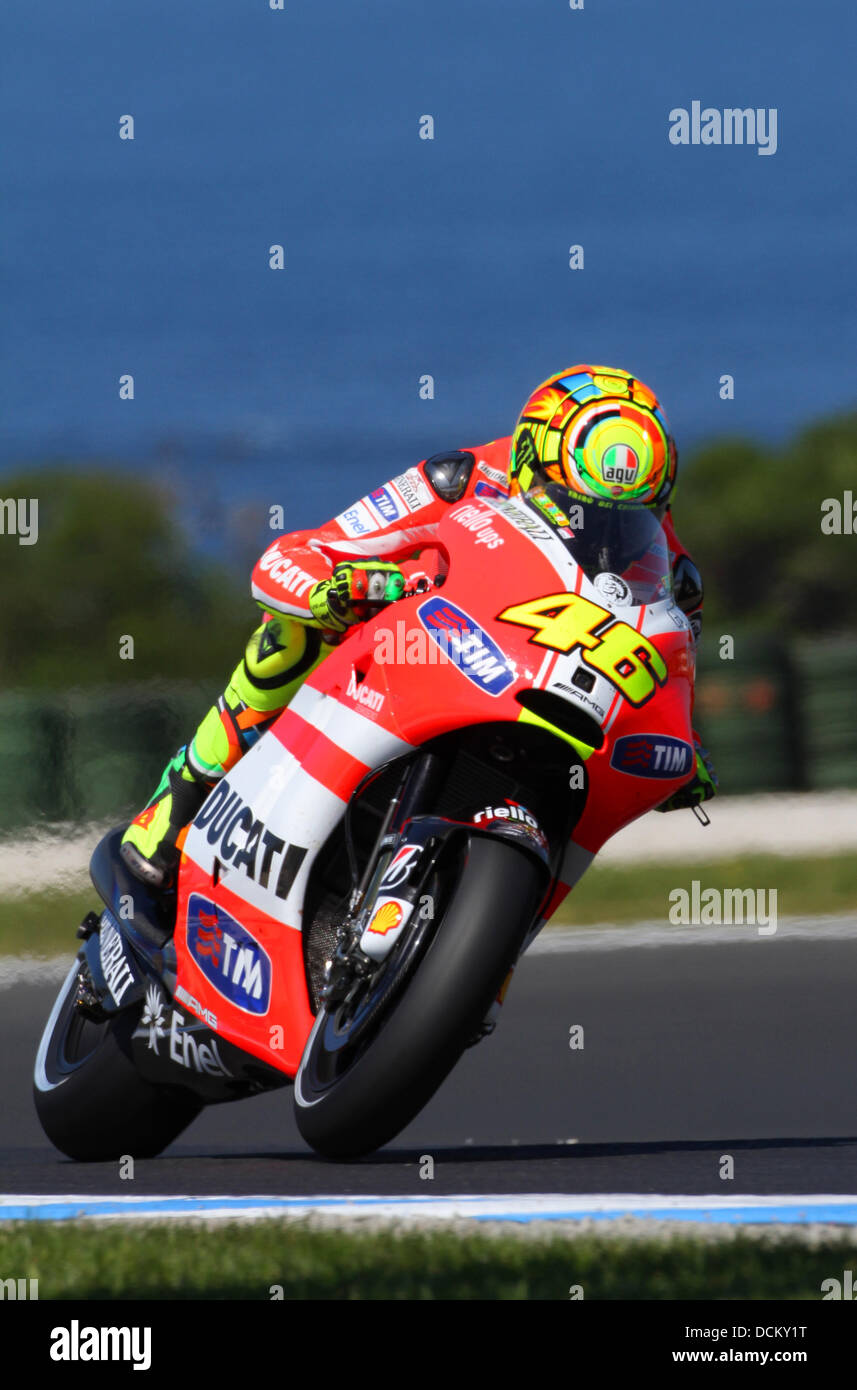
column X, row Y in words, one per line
column 399, row 867
column 363, row 694
column 114, row 962
column 387, row 917
column 513, row 810
column 281, row 569
column 413, row 490
column 495, row 474
column 613, row 588
column 525, row 453
column 242, row 840
column 152, row 1019
column 388, row 506
column 229, row 957
column 191, row 1052
column 619, row 464
column 183, row 1043
column 467, row 645
column 549, row 508
column 585, row 699
column 521, row 519
column 652, row 755
column 488, row 490
column 478, row 520
column 358, row 520
column 385, row 926
column 195, row 1007
column 515, row 814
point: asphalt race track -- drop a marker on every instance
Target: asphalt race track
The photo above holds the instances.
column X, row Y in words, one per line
column 695, row 1046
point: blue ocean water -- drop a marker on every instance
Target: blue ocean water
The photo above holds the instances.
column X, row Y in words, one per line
column 404, row 256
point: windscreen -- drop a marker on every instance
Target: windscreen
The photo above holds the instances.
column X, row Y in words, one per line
column 623, row 542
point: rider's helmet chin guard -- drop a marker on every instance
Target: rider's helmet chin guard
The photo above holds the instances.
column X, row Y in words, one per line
column 599, row 433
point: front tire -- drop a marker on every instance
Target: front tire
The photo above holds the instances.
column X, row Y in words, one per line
column 91, row 1100
column 418, row 1040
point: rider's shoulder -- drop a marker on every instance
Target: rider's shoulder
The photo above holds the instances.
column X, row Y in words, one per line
column 448, row 473
column 454, row 472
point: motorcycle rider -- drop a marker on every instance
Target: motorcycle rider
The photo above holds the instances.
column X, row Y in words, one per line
column 596, row 431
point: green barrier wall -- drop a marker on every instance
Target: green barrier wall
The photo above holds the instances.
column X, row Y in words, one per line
column 775, row 717
column 91, row 754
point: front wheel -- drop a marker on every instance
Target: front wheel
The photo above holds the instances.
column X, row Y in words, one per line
column 91, row 1100
column 353, row 1096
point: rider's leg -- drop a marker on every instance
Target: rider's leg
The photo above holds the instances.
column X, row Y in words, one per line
column 278, row 658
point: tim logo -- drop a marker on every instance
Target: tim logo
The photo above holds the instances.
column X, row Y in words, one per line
column 475, row 654
column 652, row 755
column 228, row 956
column 385, row 504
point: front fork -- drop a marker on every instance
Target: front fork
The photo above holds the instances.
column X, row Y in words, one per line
column 419, row 780
column 377, row 918
column 389, row 895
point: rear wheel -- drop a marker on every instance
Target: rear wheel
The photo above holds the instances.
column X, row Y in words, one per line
column 91, row 1100
column 372, row 1062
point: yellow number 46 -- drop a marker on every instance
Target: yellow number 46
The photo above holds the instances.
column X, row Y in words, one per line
column 565, row 621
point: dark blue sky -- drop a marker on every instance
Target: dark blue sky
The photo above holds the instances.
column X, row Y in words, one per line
column 406, row 256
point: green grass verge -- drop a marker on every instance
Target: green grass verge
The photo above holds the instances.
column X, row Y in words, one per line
column 45, row 923
column 640, row 892
column 244, row 1262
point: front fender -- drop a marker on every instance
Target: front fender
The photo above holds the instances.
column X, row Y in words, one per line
column 533, row 842
column 436, row 835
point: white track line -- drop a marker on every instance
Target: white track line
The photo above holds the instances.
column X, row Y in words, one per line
column 608, row 937
column 35, row 970
column 749, row 1209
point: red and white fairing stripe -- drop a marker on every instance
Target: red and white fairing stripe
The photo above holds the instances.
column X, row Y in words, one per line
column 298, row 792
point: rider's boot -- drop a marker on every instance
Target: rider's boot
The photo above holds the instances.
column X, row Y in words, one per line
column 149, row 844
column 277, row 660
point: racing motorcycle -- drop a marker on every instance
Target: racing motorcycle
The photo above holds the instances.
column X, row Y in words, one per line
column 353, row 897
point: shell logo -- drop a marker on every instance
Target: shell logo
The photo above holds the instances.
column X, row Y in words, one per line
column 387, row 918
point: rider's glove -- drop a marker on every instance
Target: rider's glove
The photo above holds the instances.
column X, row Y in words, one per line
column 355, row 591
column 701, row 787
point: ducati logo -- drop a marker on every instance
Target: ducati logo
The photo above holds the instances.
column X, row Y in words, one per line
column 372, row 699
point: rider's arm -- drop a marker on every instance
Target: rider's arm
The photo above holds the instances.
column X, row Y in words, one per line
column 688, row 594
column 687, row 580
column 394, row 522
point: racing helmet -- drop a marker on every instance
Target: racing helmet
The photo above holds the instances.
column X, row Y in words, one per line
column 599, row 433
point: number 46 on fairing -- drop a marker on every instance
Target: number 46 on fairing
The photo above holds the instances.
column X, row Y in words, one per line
column 564, row 621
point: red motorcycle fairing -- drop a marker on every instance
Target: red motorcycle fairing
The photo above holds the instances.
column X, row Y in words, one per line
column 431, row 664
